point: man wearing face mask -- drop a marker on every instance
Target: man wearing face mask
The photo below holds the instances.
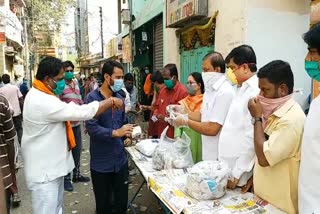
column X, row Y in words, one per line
column 171, row 94
column 133, row 94
column 278, row 125
column 109, row 163
column 71, row 93
column 217, row 98
column 310, row 151
column 48, row 137
column 236, row 139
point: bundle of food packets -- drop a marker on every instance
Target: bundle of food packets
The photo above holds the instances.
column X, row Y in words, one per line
column 207, row 180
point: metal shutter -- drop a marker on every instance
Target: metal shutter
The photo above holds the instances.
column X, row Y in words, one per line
column 158, row 45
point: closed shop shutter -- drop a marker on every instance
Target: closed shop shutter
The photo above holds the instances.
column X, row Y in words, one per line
column 158, row 45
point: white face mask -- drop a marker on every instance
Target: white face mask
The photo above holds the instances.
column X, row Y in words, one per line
column 210, row 78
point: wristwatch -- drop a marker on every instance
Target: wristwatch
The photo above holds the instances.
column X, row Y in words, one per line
column 256, row 119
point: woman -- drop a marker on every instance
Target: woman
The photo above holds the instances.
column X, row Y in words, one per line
column 192, row 103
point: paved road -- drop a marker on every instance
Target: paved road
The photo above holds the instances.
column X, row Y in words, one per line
column 81, row 200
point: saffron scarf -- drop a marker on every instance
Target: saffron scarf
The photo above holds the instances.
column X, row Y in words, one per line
column 192, row 103
column 70, row 136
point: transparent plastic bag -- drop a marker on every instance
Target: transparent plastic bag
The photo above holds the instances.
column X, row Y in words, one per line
column 207, row 180
column 169, row 155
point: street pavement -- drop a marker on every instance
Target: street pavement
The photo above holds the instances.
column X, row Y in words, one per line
column 81, row 200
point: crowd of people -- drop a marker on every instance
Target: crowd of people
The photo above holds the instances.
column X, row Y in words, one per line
column 232, row 112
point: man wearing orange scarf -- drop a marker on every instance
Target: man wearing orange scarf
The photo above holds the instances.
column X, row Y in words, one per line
column 48, row 136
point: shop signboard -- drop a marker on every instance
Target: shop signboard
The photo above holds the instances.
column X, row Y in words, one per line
column 180, row 12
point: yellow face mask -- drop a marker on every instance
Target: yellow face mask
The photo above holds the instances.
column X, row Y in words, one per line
column 232, row 77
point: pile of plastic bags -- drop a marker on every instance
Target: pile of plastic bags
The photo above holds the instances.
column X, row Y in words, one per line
column 207, row 180
column 147, row 146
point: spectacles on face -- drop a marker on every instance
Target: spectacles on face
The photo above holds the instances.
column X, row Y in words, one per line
column 68, row 70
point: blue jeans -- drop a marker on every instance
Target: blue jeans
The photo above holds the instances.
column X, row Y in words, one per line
column 76, row 153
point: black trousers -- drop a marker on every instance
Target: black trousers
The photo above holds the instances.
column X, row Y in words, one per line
column 109, row 186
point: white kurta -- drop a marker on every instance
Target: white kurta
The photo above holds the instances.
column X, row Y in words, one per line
column 44, row 141
column 236, row 145
column 309, row 174
column 215, row 105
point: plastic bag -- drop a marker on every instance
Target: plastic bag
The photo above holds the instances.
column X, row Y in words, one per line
column 207, row 180
column 170, row 155
column 147, row 146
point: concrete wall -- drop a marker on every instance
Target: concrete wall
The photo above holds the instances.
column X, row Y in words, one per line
column 170, row 43
column 274, row 29
column 231, row 23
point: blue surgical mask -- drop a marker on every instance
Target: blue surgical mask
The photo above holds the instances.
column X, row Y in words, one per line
column 60, row 85
column 312, row 69
column 117, row 85
column 147, row 71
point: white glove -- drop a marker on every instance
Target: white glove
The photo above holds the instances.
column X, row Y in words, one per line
column 179, row 120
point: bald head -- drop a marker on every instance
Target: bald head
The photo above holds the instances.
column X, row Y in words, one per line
column 213, row 61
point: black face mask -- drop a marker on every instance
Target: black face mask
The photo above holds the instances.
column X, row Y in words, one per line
column 129, row 86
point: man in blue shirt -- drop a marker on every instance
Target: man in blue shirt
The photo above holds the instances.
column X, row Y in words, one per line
column 109, row 163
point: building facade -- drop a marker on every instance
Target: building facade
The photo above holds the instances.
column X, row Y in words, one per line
column 13, row 54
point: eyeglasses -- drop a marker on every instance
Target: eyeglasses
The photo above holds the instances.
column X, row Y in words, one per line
column 68, row 70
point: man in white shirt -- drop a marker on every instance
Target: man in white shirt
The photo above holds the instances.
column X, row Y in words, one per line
column 217, row 98
column 236, row 146
column 309, row 174
column 15, row 98
column 48, row 138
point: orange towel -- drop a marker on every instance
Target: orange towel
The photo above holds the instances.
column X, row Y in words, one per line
column 70, row 136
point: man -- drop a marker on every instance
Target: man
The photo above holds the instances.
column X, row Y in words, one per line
column 133, row 94
column 71, row 93
column 217, row 98
column 109, row 163
column 7, row 151
column 310, row 152
column 278, row 124
column 48, row 136
column 171, row 94
column 24, row 88
column 15, row 98
column 93, row 83
column 158, row 84
column 236, row 138
column 3, row 206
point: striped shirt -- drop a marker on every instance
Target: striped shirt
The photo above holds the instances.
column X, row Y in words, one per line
column 7, row 134
column 71, row 93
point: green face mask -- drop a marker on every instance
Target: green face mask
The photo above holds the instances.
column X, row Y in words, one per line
column 312, row 69
column 68, row 75
column 60, row 85
column 169, row 84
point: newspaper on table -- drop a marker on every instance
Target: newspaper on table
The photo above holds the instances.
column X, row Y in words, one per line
column 143, row 163
column 169, row 186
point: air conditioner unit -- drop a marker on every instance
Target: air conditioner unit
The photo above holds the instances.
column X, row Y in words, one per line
column 125, row 16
